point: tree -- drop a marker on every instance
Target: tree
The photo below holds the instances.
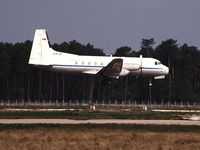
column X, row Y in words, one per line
column 147, row 46
column 19, row 80
column 190, row 63
column 167, row 51
column 122, row 51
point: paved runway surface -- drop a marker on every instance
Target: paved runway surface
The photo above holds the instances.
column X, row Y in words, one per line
column 98, row 121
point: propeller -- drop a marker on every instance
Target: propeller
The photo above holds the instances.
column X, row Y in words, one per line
column 141, row 64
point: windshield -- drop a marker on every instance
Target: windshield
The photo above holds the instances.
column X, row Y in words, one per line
column 158, row 63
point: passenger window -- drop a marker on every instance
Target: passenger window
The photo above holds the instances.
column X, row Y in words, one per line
column 156, row 63
column 76, row 62
column 102, row 63
column 95, row 63
column 88, row 63
column 82, row 63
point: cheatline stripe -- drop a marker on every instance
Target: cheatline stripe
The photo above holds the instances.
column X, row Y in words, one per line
column 152, row 68
column 90, row 66
column 77, row 66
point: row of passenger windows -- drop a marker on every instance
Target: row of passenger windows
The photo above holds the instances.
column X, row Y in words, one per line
column 88, row 63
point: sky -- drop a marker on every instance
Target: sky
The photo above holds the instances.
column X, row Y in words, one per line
column 106, row 24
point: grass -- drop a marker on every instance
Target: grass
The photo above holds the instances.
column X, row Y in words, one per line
column 73, row 106
column 96, row 136
column 100, row 137
column 113, row 127
column 44, row 107
column 82, row 112
column 88, row 114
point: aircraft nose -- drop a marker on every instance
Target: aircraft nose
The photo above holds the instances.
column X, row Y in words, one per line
column 166, row 70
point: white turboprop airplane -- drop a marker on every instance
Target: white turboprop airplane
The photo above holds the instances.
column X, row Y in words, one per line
column 107, row 66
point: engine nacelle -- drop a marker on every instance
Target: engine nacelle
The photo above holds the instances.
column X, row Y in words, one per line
column 124, row 72
column 132, row 67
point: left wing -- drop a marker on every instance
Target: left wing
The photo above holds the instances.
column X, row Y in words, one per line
column 113, row 69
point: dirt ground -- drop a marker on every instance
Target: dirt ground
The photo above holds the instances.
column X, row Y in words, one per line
column 99, row 121
column 98, row 139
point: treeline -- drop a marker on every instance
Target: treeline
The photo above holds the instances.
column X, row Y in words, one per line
column 18, row 80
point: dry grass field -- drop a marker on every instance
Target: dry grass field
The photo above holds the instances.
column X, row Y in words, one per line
column 56, row 138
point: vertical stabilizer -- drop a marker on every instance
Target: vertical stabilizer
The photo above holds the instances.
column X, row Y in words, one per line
column 40, row 48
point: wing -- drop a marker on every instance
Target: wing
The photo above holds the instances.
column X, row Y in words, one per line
column 113, row 69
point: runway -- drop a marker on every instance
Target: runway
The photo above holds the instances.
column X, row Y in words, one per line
column 99, row 121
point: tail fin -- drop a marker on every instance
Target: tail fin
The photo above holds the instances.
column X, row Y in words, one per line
column 40, row 48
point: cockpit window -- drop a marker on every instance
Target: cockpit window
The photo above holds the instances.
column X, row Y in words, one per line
column 157, row 63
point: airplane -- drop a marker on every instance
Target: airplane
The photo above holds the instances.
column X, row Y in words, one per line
column 42, row 55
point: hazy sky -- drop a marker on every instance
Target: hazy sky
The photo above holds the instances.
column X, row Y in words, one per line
column 107, row 24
